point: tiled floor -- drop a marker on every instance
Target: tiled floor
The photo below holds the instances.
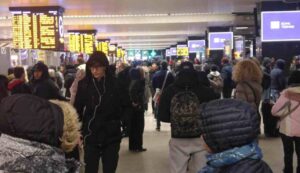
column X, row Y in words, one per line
column 155, row 160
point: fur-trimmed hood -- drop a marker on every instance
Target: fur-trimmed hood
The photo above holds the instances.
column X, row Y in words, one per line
column 292, row 93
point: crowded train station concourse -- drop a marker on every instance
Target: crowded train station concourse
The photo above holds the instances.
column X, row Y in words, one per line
column 150, row 86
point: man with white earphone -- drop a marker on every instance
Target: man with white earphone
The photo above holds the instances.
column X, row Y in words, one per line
column 98, row 105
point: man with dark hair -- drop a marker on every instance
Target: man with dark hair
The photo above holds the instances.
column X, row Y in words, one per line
column 161, row 80
column 98, row 105
column 18, row 85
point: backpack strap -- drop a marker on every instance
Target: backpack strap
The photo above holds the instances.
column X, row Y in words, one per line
column 253, row 91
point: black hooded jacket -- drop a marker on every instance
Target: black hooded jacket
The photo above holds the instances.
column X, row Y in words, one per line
column 278, row 80
column 183, row 80
column 30, row 117
column 44, row 87
column 98, row 105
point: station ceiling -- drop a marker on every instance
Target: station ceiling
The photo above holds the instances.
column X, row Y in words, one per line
column 139, row 23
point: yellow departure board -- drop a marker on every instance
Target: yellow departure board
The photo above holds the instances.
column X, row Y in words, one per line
column 103, row 45
column 82, row 41
column 119, row 52
column 38, row 27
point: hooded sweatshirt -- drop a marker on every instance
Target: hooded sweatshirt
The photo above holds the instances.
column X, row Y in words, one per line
column 289, row 122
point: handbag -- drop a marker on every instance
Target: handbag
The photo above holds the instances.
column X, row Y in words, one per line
column 158, row 92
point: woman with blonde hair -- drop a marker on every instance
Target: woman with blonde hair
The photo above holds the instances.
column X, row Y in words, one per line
column 248, row 77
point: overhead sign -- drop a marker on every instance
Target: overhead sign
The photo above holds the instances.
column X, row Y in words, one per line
column 196, row 45
column 217, row 40
column 82, row 41
column 182, row 50
column 103, row 45
column 38, row 27
column 173, row 51
column 280, row 26
column 119, row 52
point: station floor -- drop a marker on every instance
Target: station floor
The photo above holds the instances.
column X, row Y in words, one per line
column 155, row 159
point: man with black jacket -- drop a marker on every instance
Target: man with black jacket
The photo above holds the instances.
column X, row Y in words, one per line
column 98, row 105
column 182, row 149
column 41, row 85
column 161, row 80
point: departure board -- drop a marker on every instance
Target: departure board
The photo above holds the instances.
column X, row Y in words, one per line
column 82, row 41
column 103, row 45
column 38, row 27
column 119, row 52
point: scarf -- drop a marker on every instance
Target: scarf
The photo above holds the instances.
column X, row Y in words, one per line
column 232, row 156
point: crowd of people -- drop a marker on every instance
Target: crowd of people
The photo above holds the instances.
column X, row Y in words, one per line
column 50, row 116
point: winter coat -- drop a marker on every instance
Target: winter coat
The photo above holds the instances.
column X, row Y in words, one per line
column 137, row 93
column 159, row 77
column 98, row 106
column 246, row 93
column 289, row 124
column 278, row 80
column 17, row 86
column 124, row 83
column 183, row 81
column 70, row 76
column 230, row 123
column 19, row 155
column 247, row 166
column 45, row 87
column 266, row 84
column 226, row 74
column 24, row 116
column 202, row 77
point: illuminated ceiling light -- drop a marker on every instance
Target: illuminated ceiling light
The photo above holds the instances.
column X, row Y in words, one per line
column 141, row 15
column 242, row 28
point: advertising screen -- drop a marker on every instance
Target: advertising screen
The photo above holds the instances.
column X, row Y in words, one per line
column 196, row 45
column 173, row 51
column 182, row 50
column 168, row 52
column 217, row 40
column 38, row 27
column 280, row 26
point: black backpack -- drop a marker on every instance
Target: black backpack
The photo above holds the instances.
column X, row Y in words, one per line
column 185, row 111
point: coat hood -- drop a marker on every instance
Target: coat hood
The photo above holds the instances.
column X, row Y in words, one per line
column 32, row 118
column 43, row 68
column 186, row 79
column 280, row 63
column 293, row 93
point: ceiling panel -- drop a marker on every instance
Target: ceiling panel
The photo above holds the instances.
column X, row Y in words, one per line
column 171, row 31
column 79, row 7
